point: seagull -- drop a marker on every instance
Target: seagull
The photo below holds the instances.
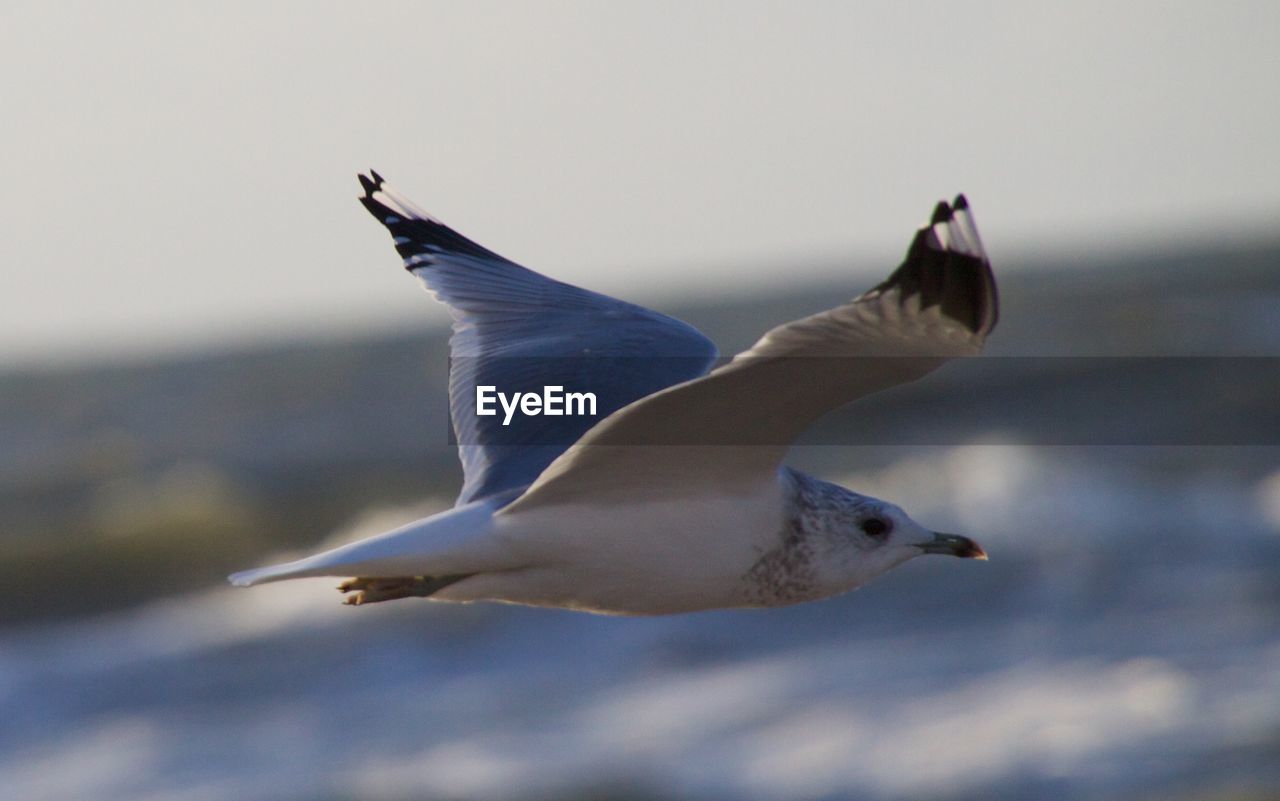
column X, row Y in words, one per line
column 673, row 497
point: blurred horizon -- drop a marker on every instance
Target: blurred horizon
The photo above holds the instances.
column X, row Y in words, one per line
column 141, row 348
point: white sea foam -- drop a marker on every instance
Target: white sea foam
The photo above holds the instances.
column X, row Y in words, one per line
column 1038, row 668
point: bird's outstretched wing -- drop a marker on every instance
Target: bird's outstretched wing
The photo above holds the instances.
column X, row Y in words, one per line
column 732, row 427
column 520, row 331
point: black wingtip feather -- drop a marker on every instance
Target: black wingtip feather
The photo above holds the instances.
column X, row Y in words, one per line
column 941, row 213
column 960, row 284
column 415, row 233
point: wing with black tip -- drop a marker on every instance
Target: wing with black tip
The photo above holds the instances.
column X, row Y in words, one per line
column 733, row 427
column 520, row 331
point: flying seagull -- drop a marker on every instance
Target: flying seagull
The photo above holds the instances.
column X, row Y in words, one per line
column 674, row 496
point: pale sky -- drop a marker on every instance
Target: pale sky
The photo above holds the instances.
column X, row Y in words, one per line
column 179, row 175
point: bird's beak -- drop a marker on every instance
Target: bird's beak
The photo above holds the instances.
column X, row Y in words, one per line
column 954, row 545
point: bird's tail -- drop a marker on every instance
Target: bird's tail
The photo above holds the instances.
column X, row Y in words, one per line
column 453, row 542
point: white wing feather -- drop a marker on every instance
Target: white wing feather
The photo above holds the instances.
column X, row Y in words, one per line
column 731, row 428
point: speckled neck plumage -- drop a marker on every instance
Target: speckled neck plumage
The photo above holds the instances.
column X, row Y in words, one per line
column 818, row 516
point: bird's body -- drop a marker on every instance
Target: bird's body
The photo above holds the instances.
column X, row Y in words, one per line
column 675, row 498
column 652, row 555
column 776, row 544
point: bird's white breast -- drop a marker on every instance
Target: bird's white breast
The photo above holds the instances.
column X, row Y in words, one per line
column 648, row 556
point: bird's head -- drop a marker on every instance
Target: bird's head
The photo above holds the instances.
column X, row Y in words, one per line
column 874, row 536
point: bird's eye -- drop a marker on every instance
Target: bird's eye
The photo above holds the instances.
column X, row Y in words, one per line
column 875, row 527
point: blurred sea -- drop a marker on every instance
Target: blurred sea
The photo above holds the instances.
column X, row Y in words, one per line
column 1122, row 643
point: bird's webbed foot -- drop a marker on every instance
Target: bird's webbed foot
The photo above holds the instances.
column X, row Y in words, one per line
column 372, row 590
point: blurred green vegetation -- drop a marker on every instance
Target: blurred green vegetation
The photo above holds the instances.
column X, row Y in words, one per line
column 186, row 529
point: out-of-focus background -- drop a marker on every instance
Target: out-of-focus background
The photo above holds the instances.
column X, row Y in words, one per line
column 210, row 357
